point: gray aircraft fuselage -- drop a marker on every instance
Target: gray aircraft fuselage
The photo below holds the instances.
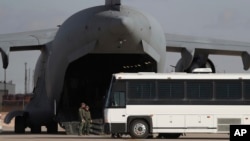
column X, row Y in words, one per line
column 90, row 46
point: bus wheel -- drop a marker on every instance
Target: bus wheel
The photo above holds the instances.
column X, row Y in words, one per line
column 169, row 135
column 139, row 129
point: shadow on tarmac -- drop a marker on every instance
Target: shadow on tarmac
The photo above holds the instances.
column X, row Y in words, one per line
column 63, row 135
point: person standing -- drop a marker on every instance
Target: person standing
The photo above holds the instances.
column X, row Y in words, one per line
column 82, row 118
column 88, row 120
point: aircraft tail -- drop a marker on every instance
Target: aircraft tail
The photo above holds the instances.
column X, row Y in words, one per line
column 113, row 2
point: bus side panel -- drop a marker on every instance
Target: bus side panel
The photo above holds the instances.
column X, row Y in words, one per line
column 169, row 123
column 117, row 120
column 246, row 119
column 201, row 121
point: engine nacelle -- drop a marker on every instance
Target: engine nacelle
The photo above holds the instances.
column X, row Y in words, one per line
column 197, row 63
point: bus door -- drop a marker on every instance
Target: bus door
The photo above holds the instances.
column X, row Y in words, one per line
column 118, row 112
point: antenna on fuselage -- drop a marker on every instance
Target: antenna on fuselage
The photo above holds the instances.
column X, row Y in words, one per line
column 113, row 2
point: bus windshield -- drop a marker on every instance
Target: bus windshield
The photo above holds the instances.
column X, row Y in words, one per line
column 116, row 94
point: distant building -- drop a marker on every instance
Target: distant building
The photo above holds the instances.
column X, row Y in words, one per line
column 10, row 89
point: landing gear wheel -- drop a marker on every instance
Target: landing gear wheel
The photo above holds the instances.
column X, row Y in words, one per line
column 139, row 129
column 52, row 127
column 36, row 129
column 20, row 125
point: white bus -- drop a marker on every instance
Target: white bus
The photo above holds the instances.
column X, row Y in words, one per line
column 171, row 104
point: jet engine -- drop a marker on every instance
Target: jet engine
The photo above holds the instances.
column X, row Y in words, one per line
column 198, row 62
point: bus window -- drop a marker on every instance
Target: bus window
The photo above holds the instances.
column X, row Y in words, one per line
column 197, row 89
column 228, row 89
column 246, row 89
column 141, row 90
column 118, row 99
column 170, row 89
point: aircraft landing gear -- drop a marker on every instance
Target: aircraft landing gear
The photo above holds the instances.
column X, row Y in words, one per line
column 35, row 129
column 20, row 124
column 52, row 127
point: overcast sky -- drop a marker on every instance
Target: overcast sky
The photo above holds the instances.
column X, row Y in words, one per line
column 224, row 19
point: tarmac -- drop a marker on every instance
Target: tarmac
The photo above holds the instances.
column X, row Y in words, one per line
column 9, row 135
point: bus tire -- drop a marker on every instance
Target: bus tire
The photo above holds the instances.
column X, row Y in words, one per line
column 139, row 129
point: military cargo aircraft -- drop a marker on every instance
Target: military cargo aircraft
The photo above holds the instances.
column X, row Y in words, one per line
column 78, row 59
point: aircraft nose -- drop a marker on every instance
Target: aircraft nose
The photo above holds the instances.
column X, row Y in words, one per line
column 121, row 26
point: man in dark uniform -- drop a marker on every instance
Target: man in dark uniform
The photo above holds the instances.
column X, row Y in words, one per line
column 88, row 120
column 82, row 118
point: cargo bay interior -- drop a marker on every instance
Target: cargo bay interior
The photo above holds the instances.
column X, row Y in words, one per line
column 88, row 78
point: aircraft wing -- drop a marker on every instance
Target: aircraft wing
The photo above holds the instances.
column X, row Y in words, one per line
column 33, row 40
column 190, row 46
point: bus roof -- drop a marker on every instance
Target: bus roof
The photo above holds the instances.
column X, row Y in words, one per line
column 175, row 75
